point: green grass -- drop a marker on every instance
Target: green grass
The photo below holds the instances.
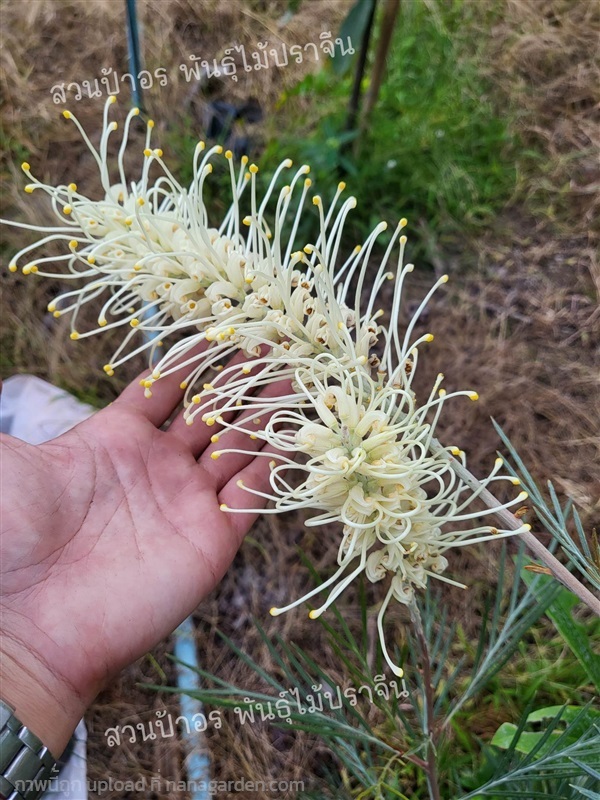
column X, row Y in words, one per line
column 435, row 148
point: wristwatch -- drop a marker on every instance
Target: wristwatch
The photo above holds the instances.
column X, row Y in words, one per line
column 26, row 765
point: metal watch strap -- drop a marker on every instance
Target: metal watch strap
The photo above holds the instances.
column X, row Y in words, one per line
column 26, row 765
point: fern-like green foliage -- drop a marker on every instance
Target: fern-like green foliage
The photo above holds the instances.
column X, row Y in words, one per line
column 582, row 551
column 382, row 744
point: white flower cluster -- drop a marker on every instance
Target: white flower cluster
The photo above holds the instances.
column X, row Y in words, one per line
column 352, row 441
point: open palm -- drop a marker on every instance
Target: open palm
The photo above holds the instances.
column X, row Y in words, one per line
column 112, row 534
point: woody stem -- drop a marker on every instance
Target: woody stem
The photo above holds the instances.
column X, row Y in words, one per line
column 430, row 765
column 558, row 570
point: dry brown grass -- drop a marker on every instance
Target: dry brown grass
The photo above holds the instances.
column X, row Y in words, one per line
column 522, row 326
column 544, row 58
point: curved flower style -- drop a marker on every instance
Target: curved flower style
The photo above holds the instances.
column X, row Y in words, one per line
column 149, row 257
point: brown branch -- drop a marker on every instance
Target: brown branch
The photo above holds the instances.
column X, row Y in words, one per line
column 558, row 570
column 388, row 21
column 429, row 718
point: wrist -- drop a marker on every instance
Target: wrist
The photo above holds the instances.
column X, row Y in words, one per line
column 41, row 700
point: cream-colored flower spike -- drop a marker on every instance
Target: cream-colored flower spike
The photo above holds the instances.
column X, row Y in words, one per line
column 148, row 256
column 367, row 466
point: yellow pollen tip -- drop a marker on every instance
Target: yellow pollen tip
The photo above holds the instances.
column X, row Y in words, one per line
column 403, row 222
column 134, row 323
column 455, row 451
column 218, row 149
column 527, row 526
column 72, row 187
column 272, row 464
column 253, row 436
column 341, row 186
column 307, row 183
column 246, row 370
column 316, row 200
column 429, row 337
column 215, row 455
column 56, row 314
column 224, row 507
column 135, row 111
column 473, row 396
column 67, row 114
column 189, row 421
column 73, row 244
column 141, row 201
column 25, row 166
column 444, row 279
column 313, row 614
column 102, row 323
column 128, row 221
column 74, row 335
column 147, row 152
column 201, row 146
column 155, row 375
column 240, row 484
column 228, row 155
column 515, row 481
column 112, row 99
column 523, row 496
column 498, row 462
column 150, row 123
column 208, row 387
column 253, row 169
column 12, row 267
column 108, row 369
column 196, row 399
column 29, row 189
column 91, row 260
column 67, row 209
column 215, row 438
column 210, row 421
column 51, row 307
column 403, row 239
column 274, row 612
column 183, row 385
column 158, row 152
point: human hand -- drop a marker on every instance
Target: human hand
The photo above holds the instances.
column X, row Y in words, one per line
column 110, row 536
